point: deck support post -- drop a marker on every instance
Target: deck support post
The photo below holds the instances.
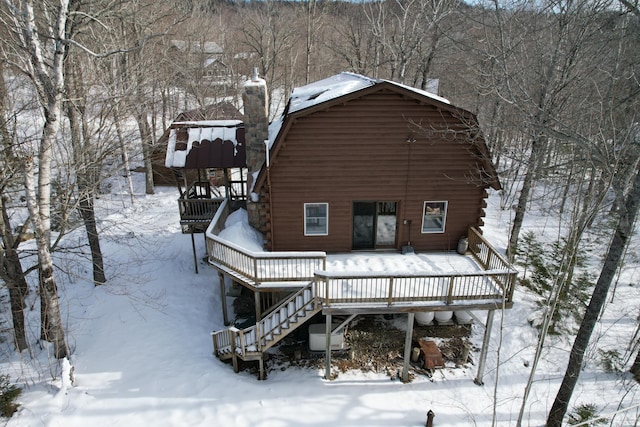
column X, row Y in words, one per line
column 223, row 299
column 206, row 247
column 256, row 294
column 234, row 355
column 195, row 256
column 327, row 354
column 483, row 352
column 262, row 375
column 407, row 347
column 256, row 299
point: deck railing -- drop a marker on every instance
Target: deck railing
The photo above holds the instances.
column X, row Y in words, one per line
column 260, row 267
column 489, row 259
column 384, row 289
column 330, row 290
column 198, row 210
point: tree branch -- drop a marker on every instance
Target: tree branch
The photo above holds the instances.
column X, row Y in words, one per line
column 113, row 52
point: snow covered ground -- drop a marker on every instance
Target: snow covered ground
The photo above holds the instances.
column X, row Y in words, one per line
column 143, row 353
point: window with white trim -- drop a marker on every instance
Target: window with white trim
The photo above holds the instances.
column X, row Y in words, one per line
column 316, row 219
column 434, row 215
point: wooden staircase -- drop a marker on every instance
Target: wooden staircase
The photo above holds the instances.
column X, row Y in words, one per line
column 251, row 343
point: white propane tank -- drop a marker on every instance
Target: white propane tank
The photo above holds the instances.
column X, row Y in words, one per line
column 424, row 318
column 463, row 245
column 463, row 317
column 415, row 354
column 444, row 317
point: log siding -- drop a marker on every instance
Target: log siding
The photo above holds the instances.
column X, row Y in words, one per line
column 380, row 146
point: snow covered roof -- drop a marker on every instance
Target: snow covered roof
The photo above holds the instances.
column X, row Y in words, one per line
column 211, row 48
column 215, row 137
column 334, row 87
column 340, row 85
column 329, row 89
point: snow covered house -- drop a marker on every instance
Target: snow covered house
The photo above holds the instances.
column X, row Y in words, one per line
column 359, row 163
column 204, row 58
column 354, row 164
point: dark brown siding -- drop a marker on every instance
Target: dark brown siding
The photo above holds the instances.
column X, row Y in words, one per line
column 358, row 151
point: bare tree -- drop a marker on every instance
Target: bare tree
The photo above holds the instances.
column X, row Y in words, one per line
column 12, row 274
column 41, row 37
column 435, row 28
column 85, row 157
column 11, row 271
column 400, row 34
column 314, row 15
column 134, row 70
column 267, row 33
column 538, row 58
column 623, row 232
column 352, row 41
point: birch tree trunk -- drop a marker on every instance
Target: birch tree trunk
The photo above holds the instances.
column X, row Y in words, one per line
column 47, row 73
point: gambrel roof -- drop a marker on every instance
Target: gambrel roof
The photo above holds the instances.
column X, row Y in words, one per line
column 340, row 85
column 344, row 87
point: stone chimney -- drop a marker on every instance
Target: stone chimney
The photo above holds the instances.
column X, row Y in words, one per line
column 256, row 131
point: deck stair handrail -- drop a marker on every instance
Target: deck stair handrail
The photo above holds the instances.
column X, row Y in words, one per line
column 251, row 342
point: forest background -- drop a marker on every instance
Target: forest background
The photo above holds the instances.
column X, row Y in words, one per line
column 89, row 86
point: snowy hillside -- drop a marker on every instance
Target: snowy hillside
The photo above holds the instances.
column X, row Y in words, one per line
column 143, row 352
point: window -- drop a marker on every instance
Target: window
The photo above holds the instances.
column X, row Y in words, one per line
column 434, row 215
column 316, row 219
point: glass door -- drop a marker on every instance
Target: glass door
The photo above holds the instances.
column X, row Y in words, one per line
column 374, row 225
column 386, row 224
column 364, row 214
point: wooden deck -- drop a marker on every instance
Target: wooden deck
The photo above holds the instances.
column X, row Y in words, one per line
column 276, row 271
column 314, row 288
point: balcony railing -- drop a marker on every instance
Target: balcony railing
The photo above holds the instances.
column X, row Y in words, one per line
column 489, row 259
column 198, row 210
column 260, row 267
column 389, row 290
column 197, row 207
